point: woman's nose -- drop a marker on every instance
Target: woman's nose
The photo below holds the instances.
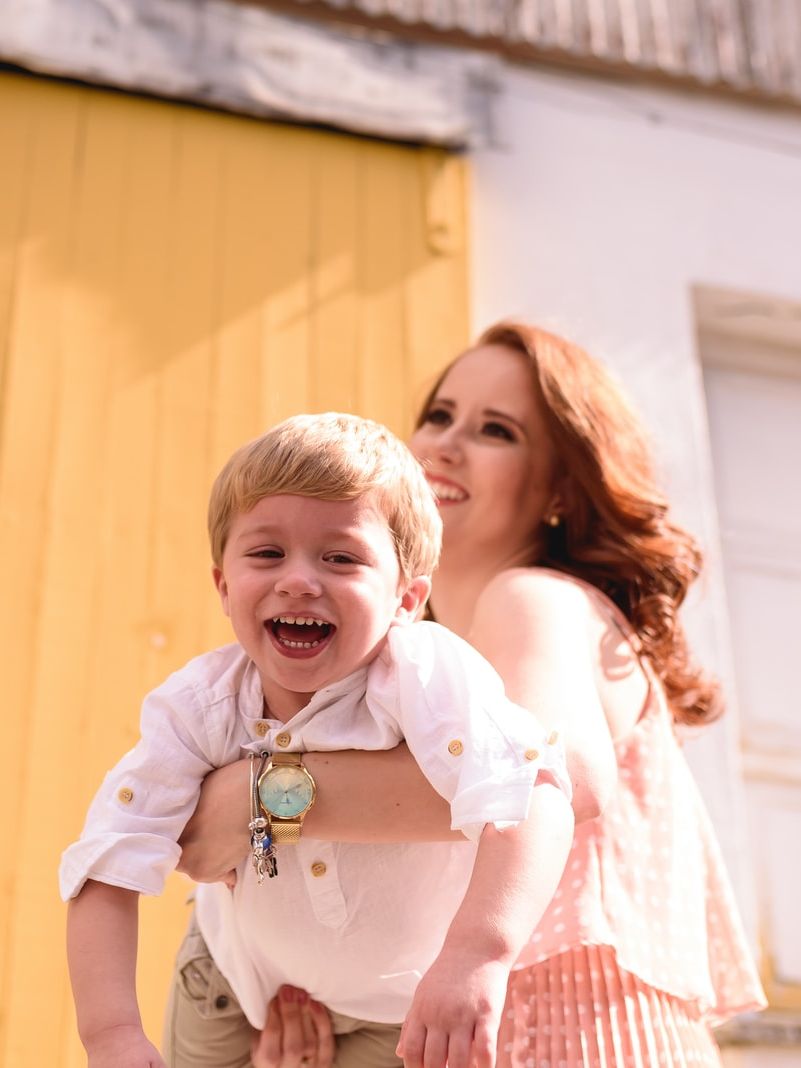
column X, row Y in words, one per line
column 447, row 445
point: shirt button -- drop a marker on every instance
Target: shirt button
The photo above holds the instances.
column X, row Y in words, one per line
column 125, row 794
column 261, row 728
column 318, row 869
column 283, row 739
column 531, row 754
column 455, row 748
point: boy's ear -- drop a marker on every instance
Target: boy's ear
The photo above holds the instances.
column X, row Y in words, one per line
column 413, row 598
column 222, row 587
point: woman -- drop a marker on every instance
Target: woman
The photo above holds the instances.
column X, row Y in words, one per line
column 561, row 566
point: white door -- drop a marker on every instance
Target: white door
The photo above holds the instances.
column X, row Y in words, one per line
column 751, row 356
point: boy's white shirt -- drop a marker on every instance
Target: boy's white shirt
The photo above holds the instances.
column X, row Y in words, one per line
column 360, row 935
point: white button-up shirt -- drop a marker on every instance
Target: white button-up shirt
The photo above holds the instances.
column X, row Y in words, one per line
column 354, row 924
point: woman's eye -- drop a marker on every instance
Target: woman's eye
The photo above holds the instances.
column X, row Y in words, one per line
column 438, row 416
column 497, row 430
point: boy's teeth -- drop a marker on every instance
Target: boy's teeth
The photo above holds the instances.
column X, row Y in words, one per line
column 299, row 645
column 306, row 621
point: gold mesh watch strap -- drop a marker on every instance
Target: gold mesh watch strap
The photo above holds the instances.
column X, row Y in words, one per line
column 285, row 832
column 287, row 758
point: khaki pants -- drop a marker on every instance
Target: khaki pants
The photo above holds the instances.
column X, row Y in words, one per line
column 205, row 1027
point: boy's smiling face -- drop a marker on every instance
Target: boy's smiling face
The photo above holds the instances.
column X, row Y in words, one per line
column 311, row 588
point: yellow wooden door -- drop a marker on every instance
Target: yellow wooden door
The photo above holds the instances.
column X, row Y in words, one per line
column 172, row 281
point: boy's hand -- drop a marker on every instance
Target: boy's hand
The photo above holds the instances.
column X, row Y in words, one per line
column 456, row 1014
column 297, row 1034
column 122, row 1047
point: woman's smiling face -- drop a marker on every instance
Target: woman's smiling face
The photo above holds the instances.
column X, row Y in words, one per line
column 487, row 454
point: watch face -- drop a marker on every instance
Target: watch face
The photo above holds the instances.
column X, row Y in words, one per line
column 286, row 791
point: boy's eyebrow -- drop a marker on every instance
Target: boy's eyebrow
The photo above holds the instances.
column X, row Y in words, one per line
column 351, row 533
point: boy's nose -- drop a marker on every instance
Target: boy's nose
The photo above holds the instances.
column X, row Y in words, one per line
column 298, row 582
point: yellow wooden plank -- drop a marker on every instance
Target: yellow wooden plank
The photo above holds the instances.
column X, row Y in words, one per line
column 289, row 160
column 389, row 200
column 437, row 276
column 16, row 124
column 247, row 248
column 336, row 204
column 33, row 386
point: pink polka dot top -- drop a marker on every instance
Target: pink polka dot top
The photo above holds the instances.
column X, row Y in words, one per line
column 647, row 879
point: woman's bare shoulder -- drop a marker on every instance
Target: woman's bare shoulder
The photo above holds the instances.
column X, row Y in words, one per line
column 539, row 591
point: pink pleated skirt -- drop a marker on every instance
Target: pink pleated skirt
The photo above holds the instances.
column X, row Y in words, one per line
column 580, row 1010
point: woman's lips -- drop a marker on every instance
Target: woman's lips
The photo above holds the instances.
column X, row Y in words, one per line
column 446, row 491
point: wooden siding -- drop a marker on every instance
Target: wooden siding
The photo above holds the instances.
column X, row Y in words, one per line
column 750, row 46
column 172, row 281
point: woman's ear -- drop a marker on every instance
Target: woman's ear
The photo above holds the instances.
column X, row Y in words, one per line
column 561, row 499
column 413, row 597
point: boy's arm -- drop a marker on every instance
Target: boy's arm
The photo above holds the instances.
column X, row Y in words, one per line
column 456, row 1012
column 102, row 926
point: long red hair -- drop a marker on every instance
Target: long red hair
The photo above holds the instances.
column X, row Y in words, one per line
column 616, row 533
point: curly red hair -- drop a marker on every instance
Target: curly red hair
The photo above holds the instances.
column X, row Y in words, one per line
column 616, row 533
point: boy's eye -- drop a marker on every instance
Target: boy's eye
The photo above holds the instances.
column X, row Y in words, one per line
column 497, row 430
column 340, row 558
column 265, row 554
column 438, row 416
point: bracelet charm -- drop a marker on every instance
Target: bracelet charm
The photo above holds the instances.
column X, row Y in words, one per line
column 261, row 839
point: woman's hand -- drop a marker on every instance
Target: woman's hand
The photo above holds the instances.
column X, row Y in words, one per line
column 217, row 838
column 297, row 1034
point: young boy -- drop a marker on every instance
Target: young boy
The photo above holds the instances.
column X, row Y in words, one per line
column 324, row 534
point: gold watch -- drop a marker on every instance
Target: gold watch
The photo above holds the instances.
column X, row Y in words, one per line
column 286, row 792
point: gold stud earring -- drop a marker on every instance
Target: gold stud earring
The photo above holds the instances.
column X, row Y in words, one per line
column 554, row 519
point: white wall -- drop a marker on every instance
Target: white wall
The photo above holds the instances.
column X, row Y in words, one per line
column 596, row 209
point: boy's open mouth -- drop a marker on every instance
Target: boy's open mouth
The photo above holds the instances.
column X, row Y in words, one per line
column 300, row 632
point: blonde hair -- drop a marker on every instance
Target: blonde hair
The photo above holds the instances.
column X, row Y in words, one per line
column 333, row 457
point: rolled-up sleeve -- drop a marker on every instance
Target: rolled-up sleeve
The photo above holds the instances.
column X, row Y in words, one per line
column 479, row 750
column 130, row 838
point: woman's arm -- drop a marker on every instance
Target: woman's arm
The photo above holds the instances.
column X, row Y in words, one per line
column 550, row 665
column 376, row 796
column 547, row 663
